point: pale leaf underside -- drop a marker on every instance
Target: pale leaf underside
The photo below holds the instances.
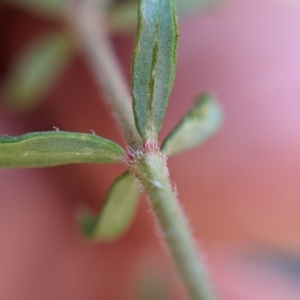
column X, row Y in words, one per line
column 196, row 126
column 45, row 149
column 117, row 213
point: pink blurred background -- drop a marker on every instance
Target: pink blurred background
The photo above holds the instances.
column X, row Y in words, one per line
column 240, row 190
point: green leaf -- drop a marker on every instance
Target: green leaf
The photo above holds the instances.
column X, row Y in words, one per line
column 153, row 65
column 36, row 70
column 117, row 213
column 45, row 149
column 195, row 127
column 48, row 8
column 122, row 17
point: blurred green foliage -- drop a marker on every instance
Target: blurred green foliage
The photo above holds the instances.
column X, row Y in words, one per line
column 36, row 70
column 38, row 67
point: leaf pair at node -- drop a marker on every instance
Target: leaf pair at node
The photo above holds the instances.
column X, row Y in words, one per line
column 120, row 206
column 153, row 71
column 47, row 149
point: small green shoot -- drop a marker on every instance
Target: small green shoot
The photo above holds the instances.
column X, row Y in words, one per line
column 202, row 121
column 117, row 213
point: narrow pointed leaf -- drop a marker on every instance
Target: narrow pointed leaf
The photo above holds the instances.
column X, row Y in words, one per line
column 36, row 70
column 45, row 149
column 153, row 65
column 117, row 213
column 195, row 127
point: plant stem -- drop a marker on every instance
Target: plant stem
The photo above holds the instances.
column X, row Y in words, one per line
column 148, row 165
column 152, row 172
column 102, row 60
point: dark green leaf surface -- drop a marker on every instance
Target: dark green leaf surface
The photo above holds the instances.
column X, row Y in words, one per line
column 36, row 70
column 195, row 127
column 153, row 65
column 117, row 213
column 45, row 149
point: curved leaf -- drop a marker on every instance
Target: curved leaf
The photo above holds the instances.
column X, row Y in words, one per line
column 195, row 127
column 45, row 149
column 36, row 70
column 117, row 213
column 153, row 65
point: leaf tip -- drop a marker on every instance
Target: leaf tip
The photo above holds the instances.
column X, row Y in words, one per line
column 202, row 121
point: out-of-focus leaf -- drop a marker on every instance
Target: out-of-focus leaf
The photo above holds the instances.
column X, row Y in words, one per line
column 117, row 213
column 45, row 149
column 36, row 70
column 123, row 17
column 192, row 6
column 48, row 8
column 195, row 127
column 153, row 65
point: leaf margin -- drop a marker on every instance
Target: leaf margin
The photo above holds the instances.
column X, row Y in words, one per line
column 149, row 115
column 111, row 152
column 92, row 225
column 215, row 112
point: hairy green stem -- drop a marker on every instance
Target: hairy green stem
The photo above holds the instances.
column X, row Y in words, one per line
column 146, row 163
column 152, row 172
